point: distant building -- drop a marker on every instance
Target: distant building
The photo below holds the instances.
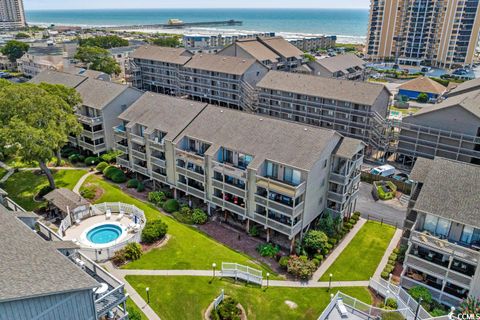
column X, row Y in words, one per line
column 12, row 15
column 421, row 32
column 442, row 231
column 314, row 43
column 41, row 58
column 413, row 88
column 344, row 66
column 198, row 42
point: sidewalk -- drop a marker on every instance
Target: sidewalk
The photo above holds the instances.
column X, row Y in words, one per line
column 80, row 182
column 10, row 171
column 338, row 250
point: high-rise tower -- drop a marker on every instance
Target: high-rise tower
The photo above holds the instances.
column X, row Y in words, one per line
column 12, row 14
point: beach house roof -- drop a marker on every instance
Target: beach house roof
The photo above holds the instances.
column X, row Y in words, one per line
column 423, row 84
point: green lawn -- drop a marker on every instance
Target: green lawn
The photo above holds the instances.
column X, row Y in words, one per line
column 186, row 249
column 132, row 305
column 22, row 186
column 361, row 257
column 175, row 298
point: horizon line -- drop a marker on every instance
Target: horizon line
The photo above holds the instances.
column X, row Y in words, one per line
column 203, row 8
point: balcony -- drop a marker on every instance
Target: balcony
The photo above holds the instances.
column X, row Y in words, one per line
column 93, row 135
column 137, row 139
column 190, row 190
column 139, row 154
column 93, row 148
column 275, row 225
column 157, row 145
column 72, row 140
column 230, row 188
column 140, row 169
column 123, row 162
column 159, row 177
column 121, row 147
column 338, row 178
column 229, row 170
column 281, row 187
column 120, row 131
column 437, row 294
column 157, row 161
column 192, row 157
column 337, row 197
column 90, row 120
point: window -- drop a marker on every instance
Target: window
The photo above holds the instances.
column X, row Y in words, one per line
column 325, row 163
column 437, row 226
column 272, row 170
column 470, row 235
column 292, row 176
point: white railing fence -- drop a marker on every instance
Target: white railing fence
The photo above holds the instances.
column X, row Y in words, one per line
column 218, row 299
column 238, row 271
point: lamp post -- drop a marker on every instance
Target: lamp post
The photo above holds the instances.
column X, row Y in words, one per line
column 386, row 296
column 148, row 294
column 420, row 300
column 214, row 265
column 331, row 296
column 330, row 282
column 268, row 275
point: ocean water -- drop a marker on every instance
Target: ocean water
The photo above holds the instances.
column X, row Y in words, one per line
column 345, row 23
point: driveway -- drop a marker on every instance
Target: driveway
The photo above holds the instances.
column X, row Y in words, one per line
column 392, row 211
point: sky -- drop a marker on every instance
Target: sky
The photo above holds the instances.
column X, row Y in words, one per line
column 121, row 4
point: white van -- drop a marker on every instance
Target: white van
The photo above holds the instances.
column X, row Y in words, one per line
column 384, row 171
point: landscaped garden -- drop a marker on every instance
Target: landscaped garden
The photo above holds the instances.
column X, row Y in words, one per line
column 188, row 297
column 186, row 248
column 360, row 259
column 23, row 186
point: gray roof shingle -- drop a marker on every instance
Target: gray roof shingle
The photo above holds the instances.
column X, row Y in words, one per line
column 341, row 62
column 219, row 63
column 55, row 77
column 65, row 199
column 31, row 266
column 342, row 90
column 163, row 54
column 450, row 190
column 349, row 147
column 98, row 94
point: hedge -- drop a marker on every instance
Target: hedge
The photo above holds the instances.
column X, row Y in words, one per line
column 154, row 231
column 90, row 161
column 101, row 166
column 171, row 206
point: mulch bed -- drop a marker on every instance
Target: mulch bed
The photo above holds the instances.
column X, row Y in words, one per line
column 158, row 244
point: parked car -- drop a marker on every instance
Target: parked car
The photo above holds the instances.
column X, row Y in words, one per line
column 384, row 171
column 426, row 69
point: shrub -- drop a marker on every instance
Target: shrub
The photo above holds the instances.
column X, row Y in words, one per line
column 74, row 158
column 422, row 98
column 469, row 305
column 418, row 292
column 389, row 268
column 438, row 312
column 119, row 176
column 385, row 275
column 396, row 251
column 132, row 183
column 332, row 241
column 324, row 251
column 156, row 197
column 391, row 303
column 227, row 310
column 110, row 156
column 140, row 187
column 352, row 221
column 171, row 205
column 134, row 314
column 101, row 166
column 348, row 226
column 283, row 262
column 316, row 262
column 183, row 218
column 67, row 152
column 119, row 257
column 153, row 231
column 357, row 214
column 88, row 192
column 199, row 216
column 44, row 191
column 301, row 267
column 267, row 250
column 254, row 232
column 90, row 161
column 108, row 171
column 133, row 251
column 319, row 257
column 315, row 241
column 393, row 256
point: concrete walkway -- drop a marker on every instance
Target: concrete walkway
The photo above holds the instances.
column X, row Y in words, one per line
column 338, row 250
column 53, row 168
column 81, row 181
column 393, row 244
column 10, row 171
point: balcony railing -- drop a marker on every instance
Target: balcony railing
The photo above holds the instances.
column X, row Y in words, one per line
column 90, row 146
column 137, row 139
column 157, row 161
column 229, row 170
column 338, row 178
column 139, row 155
column 281, row 187
column 140, row 169
column 188, row 156
column 159, row 177
column 278, row 226
column 121, row 147
column 123, row 162
column 93, row 135
column 156, row 144
column 91, row 120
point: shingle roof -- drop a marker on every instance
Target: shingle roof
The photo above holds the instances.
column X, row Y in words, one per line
column 55, row 77
column 464, row 87
column 31, row 266
column 349, row 147
column 257, row 50
column 65, row 199
column 98, row 94
column 162, row 54
column 264, row 138
column 421, row 169
column 341, row 62
column 283, row 47
column 161, row 112
column 423, row 84
column 343, row 90
column 219, row 63
column 450, row 191
column 467, row 101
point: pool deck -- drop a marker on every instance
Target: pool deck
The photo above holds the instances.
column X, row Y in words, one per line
column 75, row 231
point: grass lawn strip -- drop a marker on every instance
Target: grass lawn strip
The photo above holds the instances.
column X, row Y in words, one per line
column 132, row 305
column 22, row 186
column 187, row 297
column 360, row 259
column 187, row 249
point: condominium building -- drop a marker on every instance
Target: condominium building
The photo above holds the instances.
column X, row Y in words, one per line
column 275, row 53
column 12, row 15
column 343, row 66
column 355, row 109
column 51, row 280
column 437, row 32
column 102, row 102
column 314, row 43
column 41, row 58
column 449, row 129
column 206, row 42
column 249, row 166
column 442, row 230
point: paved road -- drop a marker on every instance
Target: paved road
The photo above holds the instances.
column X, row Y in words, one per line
column 391, row 211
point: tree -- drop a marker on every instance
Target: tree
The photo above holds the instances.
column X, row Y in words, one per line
column 98, row 59
column 105, row 42
column 166, row 41
column 15, row 50
column 309, row 57
column 35, row 123
column 315, row 241
column 422, row 97
column 22, row 35
column 470, row 305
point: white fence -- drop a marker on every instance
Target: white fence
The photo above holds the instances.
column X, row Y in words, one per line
column 238, row 271
column 218, row 300
column 404, row 300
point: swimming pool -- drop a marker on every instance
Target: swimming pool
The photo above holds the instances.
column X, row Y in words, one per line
column 104, row 233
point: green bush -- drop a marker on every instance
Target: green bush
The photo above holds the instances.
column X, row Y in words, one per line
column 332, row 241
column 348, row 225
column 111, row 156
column 393, row 256
column 391, row 303
column 119, row 257
column 315, row 241
column 316, row 262
column 156, row 197
column 140, row 187
column 385, row 275
column 88, row 192
column 396, row 251
column 171, row 205
column 182, row 217
column 283, row 262
column 438, row 312
column 418, row 292
column 134, row 314
column 132, row 183
column 44, row 191
column 119, row 176
column 67, row 152
column 199, row 216
column 154, row 231
column 227, row 310
column 108, row 171
column 319, row 257
column 324, row 251
column 268, row 250
column 301, row 267
column 91, row 161
column 254, row 232
column 133, row 251
column 352, row 221
column 101, row 166
column 422, row 97
column 74, row 158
